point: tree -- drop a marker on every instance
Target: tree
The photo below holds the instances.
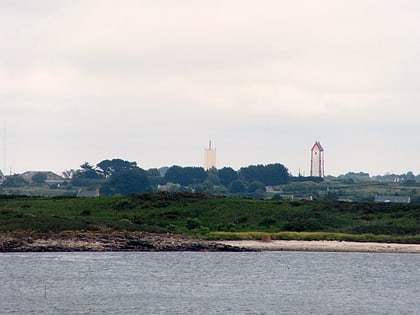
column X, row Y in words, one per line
column 39, row 178
column 277, row 197
column 154, row 172
column 356, row 177
column 332, row 195
column 237, row 186
column 107, row 168
column 271, row 174
column 276, row 174
column 410, row 176
column 86, row 176
column 87, row 171
column 315, row 179
column 256, row 186
column 155, row 178
column 14, row 181
column 227, row 175
column 251, row 173
column 409, row 182
column 212, row 179
column 127, row 182
column 209, row 184
column 68, row 174
column 185, row 175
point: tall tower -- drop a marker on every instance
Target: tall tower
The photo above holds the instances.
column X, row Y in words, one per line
column 317, row 160
column 209, row 157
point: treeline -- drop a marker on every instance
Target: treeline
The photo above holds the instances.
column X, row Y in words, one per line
column 120, row 177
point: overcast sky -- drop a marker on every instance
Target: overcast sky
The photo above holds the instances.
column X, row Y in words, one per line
column 154, row 81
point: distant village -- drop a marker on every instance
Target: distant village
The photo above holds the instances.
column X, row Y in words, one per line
column 272, row 181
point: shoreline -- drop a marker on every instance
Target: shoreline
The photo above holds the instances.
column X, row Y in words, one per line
column 105, row 241
column 109, row 241
column 325, row 246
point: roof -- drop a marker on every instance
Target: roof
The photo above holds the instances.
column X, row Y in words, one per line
column 397, row 199
column 318, row 144
column 50, row 175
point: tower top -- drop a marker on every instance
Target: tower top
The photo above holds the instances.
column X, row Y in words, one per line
column 209, row 147
column 318, row 146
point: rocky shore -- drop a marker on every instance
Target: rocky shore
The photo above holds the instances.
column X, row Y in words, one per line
column 113, row 241
column 105, row 241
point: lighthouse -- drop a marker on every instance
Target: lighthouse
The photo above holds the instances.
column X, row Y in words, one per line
column 317, row 160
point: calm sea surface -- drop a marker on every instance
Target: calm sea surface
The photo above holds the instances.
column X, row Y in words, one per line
column 209, row 283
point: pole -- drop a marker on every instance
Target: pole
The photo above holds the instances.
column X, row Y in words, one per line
column 4, row 147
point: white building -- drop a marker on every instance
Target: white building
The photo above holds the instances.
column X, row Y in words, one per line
column 209, row 157
column 317, row 160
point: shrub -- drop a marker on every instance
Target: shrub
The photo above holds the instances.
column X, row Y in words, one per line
column 126, row 221
column 231, row 227
column 124, row 204
column 192, row 223
column 277, row 197
column 267, row 221
column 171, row 228
column 240, row 220
column 86, row 212
column 237, row 186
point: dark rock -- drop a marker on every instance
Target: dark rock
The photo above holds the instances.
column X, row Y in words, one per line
column 102, row 241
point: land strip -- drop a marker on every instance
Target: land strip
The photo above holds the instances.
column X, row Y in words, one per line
column 114, row 241
column 151, row 242
column 324, row 246
column 186, row 221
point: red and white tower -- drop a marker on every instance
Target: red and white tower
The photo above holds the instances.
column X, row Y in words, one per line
column 317, row 160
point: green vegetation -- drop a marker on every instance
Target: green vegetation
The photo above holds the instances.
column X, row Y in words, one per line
column 118, row 177
column 213, row 217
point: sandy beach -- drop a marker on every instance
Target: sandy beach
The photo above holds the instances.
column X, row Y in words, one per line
column 326, row 246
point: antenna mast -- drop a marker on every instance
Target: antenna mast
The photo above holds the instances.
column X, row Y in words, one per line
column 4, row 147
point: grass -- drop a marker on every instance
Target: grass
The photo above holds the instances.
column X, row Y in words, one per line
column 213, row 217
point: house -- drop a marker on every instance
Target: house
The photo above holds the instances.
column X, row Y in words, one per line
column 396, row 199
column 51, row 177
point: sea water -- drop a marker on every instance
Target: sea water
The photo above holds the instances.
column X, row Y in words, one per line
column 209, row 283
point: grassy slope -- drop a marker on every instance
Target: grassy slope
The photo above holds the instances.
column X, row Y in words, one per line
column 214, row 217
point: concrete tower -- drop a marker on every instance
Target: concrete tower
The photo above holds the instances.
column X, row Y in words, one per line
column 317, row 160
column 209, row 157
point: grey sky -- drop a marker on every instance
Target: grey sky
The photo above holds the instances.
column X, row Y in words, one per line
column 153, row 81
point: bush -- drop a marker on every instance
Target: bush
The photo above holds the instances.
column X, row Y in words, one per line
column 277, row 197
column 124, row 204
column 267, row 222
column 256, row 186
column 192, row 223
column 237, row 186
column 86, row 212
column 171, row 228
column 231, row 227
